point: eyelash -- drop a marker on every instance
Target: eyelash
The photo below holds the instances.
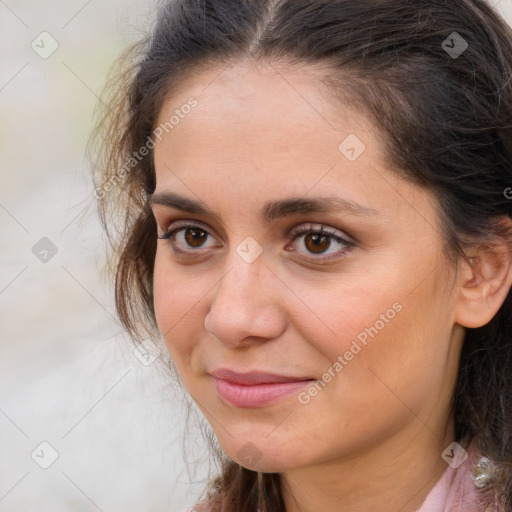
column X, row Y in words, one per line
column 294, row 234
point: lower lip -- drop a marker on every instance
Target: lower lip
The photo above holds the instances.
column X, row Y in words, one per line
column 257, row 395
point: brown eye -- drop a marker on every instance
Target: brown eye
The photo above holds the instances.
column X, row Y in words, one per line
column 317, row 240
column 317, row 243
column 195, row 237
column 188, row 238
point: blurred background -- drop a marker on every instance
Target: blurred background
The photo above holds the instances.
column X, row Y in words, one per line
column 88, row 422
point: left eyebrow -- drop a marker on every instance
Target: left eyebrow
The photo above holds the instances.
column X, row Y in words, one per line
column 271, row 210
column 283, row 208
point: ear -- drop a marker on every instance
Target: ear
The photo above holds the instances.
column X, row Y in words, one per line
column 485, row 282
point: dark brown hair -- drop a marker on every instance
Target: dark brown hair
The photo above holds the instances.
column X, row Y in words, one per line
column 446, row 120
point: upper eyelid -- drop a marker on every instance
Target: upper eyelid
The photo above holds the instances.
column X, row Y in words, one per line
column 295, row 232
column 184, row 223
column 297, row 229
column 319, row 227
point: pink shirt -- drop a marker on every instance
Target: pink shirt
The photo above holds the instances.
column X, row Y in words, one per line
column 456, row 491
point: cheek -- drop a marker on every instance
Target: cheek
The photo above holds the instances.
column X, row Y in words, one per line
column 339, row 315
column 177, row 303
column 367, row 332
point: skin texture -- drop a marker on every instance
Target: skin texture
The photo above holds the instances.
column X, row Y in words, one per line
column 375, row 433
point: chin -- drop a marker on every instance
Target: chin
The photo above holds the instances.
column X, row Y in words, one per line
column 265, row 465
column 270, row 459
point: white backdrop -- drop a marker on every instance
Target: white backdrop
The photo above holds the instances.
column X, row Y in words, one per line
column 85, row 425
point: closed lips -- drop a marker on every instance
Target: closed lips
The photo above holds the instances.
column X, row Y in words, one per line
column 254, row 377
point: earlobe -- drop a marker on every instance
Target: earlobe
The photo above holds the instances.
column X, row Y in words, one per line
column 484, row 284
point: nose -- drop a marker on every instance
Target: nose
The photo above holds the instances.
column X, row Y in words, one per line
column 246, row 305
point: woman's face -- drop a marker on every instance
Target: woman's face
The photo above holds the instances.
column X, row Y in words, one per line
column 299, row 347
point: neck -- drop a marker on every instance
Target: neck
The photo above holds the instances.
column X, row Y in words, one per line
column 395, row 475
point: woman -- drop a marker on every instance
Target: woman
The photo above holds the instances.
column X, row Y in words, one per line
column 315, row 198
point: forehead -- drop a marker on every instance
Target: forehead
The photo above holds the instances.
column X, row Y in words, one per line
column 263, row 108
column 259, row 132
column 246, row 81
